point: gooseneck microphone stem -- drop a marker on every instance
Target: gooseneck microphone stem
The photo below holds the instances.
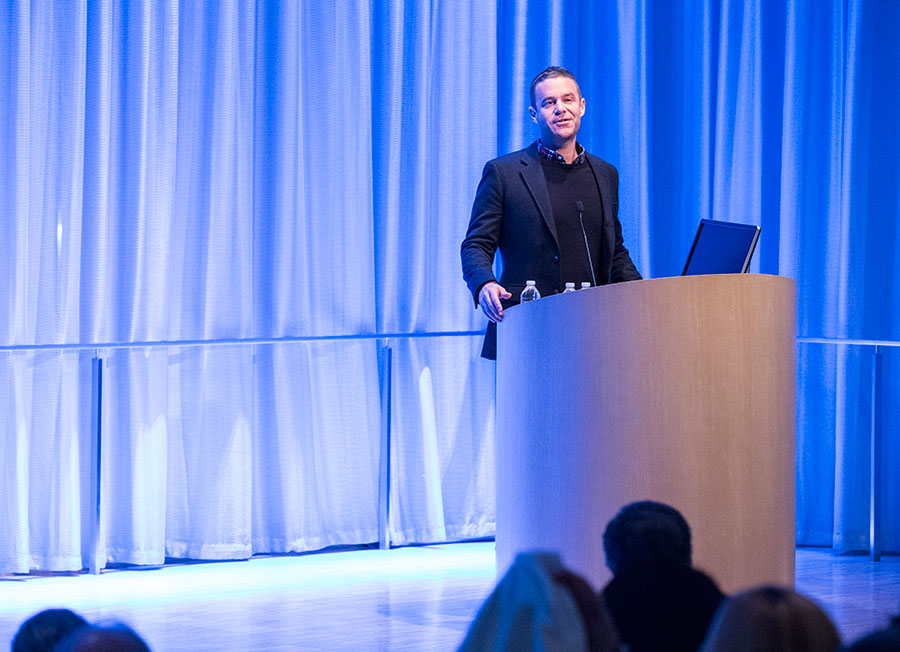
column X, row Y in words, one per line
column 580, row 208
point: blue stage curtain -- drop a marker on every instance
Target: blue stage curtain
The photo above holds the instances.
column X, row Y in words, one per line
column 176, row 170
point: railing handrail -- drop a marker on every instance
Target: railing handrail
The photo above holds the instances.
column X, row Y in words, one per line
column 847, row 341
column 287, row 339
column 232, row 341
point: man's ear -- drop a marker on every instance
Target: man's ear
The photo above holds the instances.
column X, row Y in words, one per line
column 533, row 113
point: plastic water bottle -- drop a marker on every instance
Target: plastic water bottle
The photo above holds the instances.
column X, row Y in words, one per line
column 570, row 287
column 585, row 285
column 530, row 293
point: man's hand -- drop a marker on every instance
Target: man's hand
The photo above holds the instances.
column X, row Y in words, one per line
column 489, row 299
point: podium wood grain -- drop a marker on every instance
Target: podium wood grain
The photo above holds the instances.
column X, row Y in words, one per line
column 680, row 390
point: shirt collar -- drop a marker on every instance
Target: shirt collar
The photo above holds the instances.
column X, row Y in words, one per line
column 553, row 155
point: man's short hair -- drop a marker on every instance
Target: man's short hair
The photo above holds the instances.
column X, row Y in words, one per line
column 647, row 533
column 547, row 73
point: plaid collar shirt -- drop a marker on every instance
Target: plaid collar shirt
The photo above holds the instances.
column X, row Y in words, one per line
column 553, row 155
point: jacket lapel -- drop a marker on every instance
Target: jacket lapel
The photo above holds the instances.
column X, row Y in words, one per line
column 533, row 176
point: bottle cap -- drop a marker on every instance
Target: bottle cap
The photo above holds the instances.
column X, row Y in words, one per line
column 529, row 282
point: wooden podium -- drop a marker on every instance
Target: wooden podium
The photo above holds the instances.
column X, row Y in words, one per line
column 679, row 390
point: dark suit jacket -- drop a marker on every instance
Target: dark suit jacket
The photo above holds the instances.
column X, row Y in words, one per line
column 512, row 213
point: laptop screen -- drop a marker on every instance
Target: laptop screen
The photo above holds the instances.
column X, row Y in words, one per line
column 721, row 248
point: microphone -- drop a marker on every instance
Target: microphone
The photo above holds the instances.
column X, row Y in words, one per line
column 580, row 208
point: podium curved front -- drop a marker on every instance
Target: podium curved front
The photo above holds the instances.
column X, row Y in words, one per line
column 680, row 390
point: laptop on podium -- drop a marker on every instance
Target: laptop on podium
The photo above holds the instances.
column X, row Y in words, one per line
column 721, row 248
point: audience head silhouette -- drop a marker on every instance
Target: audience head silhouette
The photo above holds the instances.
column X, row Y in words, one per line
column 540, row 605
column 657, row 601
column 106, row 638
column 44, row 630
column 771, row 619
column 646, row 533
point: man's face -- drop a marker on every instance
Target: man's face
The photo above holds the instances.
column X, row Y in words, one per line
column 558, row 110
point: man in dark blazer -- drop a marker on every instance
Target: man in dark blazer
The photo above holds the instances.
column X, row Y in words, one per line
column 551, row 209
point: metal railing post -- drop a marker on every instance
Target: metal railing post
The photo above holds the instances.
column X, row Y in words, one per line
column 875, row 460
column 97, row 555
column 384, row 467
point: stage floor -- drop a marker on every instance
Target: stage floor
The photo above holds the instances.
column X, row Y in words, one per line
column 418, row 599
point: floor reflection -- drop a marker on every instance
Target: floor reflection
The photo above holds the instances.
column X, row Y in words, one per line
column 418, row 599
